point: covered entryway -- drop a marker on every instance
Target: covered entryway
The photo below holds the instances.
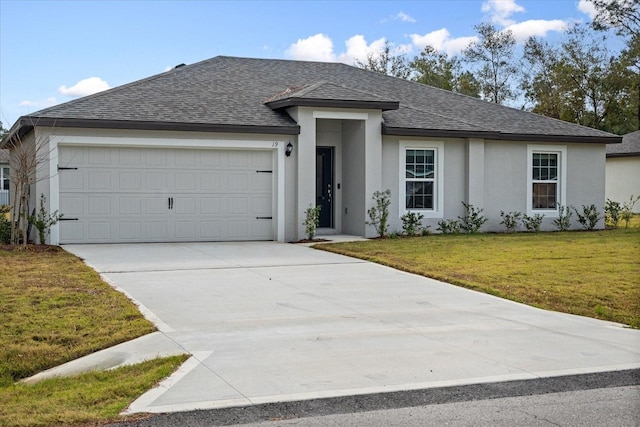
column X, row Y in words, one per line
column 131, row 194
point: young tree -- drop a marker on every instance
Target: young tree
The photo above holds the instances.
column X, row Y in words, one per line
column 386, row 62
column 437, row 69
column 493, row 54
column 27, row 165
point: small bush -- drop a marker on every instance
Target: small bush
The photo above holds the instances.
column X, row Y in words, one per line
column 5, row 226
column 43, row 220
column 563, row 222
column 311, row 221
column 411, row 223
column 449, row 226
column 532, row 223
column 589, row 217
column 472, row 220
column 627, row 210
column 379, row 214
column 612, row 213
column 510, row 220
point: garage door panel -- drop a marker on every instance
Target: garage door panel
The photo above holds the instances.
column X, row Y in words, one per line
column 123, row 195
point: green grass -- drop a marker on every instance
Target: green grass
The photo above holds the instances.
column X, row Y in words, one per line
column 595, row 274
column 54, row 309
column 92, row 398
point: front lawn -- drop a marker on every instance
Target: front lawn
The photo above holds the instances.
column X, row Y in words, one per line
column 595, row 274
column 53, row 309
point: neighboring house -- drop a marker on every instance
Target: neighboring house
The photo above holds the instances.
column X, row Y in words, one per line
column 4, row 177
column 238, row 149
column 623, row 168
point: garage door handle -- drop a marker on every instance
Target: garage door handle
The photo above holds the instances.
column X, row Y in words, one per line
column 264, row 217
column 170, row 201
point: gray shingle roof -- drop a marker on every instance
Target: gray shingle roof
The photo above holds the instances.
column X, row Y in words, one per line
column 4, row 156
column 231, row 93
column 630, row 146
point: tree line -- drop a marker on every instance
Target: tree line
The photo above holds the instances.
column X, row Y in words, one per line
column 579, row 79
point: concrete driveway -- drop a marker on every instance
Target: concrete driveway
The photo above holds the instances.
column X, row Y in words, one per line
column 268, row 322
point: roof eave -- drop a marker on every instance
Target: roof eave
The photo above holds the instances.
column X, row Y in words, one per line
column 333, row 103
column 613, row 155
column 442, row 133
column 147, row 125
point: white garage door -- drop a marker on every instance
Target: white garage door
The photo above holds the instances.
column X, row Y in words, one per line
column 113, row 194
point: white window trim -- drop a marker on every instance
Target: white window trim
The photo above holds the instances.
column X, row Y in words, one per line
column 438, row 200
column 561, row 151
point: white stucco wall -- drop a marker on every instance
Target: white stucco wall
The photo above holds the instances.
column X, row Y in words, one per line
column 622, row 178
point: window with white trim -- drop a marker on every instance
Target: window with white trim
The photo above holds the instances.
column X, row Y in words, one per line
column 421, row 178
column 546, row 179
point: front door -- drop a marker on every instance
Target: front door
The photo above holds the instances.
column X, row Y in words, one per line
column 324, row 185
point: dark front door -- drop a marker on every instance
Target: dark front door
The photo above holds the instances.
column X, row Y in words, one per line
column 324, row 185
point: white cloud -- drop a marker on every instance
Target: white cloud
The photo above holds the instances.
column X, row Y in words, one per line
column 85, row 87
column 500, row 11
column 586, row 7
column 313, row 48
column 39, row 104
column 441, row 40
column 401, row 16
column 358, row 49
column 536, row 27
column 320, row 48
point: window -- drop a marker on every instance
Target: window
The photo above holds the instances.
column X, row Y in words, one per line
column 546, row 181
column 4, row 185
column 420, row 178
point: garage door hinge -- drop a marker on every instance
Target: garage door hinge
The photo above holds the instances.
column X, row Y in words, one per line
column 264, row 171
column 264, row 217
column 65, row 168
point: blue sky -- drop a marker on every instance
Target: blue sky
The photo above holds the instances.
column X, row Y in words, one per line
column 54, row 51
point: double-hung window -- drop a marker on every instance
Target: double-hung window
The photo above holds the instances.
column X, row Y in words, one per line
column 546, row 182
column 4, row 185
column 421, row 178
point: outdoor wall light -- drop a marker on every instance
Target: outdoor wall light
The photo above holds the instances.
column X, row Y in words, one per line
column 289, row 150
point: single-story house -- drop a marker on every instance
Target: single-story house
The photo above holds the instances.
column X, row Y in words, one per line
column 623, row 169
column 238, row 149
column 4, row 177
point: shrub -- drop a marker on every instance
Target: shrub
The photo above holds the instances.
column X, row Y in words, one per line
column 612, row 213
column 5, row 226
column 472, row 220
column 449, row 226
column 589, row 217
column 627, row 209
column 411, row 222
column 43, row 220
column 311, row 221
column 510, row 220
column 379, row 214
column 563, row 222
column 532, row 223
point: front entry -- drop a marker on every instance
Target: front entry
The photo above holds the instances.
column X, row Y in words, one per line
column 324, row 185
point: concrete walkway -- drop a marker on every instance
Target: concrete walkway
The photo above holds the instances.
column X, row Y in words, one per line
column 269, row 322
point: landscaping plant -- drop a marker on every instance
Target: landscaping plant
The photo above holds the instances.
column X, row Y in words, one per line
column 472, row 220
column 563, row 222
column 612, row 211
column 43, row 221
column 627, row 209
column 5, row 226
column 589, row 217
column 379, row 214
column 311, row 221
column 449, row 226
column 411, row 223
column 510, row 220
column 532, row 223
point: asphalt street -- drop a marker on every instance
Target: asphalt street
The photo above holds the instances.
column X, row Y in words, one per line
column 601, row 399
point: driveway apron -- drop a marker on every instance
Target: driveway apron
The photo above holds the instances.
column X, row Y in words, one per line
column 271, row 322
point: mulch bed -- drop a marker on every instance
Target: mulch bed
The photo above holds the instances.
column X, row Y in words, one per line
column 30, row 248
